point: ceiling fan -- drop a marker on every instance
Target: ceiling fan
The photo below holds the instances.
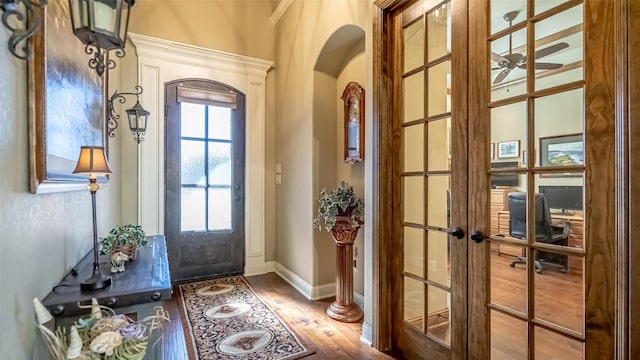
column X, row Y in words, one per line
column 512, row 60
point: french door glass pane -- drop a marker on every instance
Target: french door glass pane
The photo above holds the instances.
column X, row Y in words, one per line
column 508, row 284
column 439, row 145
column 414, row 45
column 414, row 302
column 559, row 128
column 192, row 120
column 508, row 76
column 219, row 123
column 219, row 208
column 414, row 97
column 550, row 345
column 560, row 293
column 439, row 264
column 541, row 6
column 192, row 162
column 192, row 209
column 413, row 148
column 439, row 88
column 439, row 324
column 559, row 49
column 413, row 203
column 498, row 10
column 414, row 251
column 508, row 337
column 439, row 31
column 438, row 200
column 219, row 163
column 509, row 137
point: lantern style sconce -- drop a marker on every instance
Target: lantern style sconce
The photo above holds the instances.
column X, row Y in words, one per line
column 28, row 20
column 137, row 115
column 102, row 26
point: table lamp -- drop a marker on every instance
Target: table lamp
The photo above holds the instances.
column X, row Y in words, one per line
column 93, row 162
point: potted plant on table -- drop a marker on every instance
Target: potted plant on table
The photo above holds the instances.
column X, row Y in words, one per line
column 124, row 238
column 342, row 213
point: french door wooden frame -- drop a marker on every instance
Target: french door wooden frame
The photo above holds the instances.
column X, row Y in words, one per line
column 610, row 102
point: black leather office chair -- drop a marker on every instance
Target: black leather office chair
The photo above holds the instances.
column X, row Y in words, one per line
column 546, row 231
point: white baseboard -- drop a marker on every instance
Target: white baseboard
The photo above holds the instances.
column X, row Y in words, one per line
column 259, row 269
column 294, row 280
column 359, row 299
column 312, row 292
column 367, row 334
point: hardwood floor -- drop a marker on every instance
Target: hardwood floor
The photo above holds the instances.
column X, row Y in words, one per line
column 330, row 339
column 558, row 300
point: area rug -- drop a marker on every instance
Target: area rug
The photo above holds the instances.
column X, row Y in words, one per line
column 225, row 319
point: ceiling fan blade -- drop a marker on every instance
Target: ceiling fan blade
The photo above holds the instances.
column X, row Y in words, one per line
column 503, row 74
column 551, row 49
column 498, row 58
column 496, row 68
column 547, row 66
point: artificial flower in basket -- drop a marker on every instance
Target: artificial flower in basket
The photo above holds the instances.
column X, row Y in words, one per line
column 126, row 239
column 101, row 336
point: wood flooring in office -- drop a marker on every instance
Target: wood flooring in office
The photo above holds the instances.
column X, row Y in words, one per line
column 558, row 295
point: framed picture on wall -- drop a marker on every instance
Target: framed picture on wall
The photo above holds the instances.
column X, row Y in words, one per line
column 564, row 150
column 509, row 149
column 65, row 103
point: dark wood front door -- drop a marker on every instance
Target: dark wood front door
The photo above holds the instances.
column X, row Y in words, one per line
column 205, row 158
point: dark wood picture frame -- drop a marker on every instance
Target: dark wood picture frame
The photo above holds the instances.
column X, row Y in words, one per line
column 66, row 100
column 353, row 97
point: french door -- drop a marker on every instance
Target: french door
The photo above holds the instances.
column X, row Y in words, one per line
column 205, row 157
column 500, row 242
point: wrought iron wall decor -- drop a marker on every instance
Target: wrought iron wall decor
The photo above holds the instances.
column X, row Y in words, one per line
column 28, row 22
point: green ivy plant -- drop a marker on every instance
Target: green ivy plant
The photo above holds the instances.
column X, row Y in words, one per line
column 123, row 235
column 339, row 202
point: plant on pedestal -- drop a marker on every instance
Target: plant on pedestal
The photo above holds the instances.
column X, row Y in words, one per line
column 342, row 213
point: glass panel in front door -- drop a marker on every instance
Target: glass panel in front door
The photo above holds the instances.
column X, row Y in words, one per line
column 205, row 177
column 536, row 267
column 426, row 175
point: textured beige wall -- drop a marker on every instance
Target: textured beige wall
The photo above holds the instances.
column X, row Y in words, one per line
column 235, row 26
column 302, row 32
column 42, row 236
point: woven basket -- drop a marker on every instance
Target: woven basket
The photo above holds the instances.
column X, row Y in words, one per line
column 130, row 250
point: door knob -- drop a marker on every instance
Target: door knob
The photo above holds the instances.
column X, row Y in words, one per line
column 477, row 236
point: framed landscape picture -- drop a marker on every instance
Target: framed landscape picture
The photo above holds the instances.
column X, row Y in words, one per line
column 509, row 149
column 65, row 103
column 564, row 150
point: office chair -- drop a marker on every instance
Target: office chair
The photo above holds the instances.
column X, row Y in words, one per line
column 546, row 231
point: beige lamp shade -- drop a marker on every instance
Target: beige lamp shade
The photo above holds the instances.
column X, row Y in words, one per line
column 92, row 161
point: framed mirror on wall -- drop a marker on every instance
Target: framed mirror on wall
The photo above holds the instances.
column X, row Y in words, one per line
column 353, row 97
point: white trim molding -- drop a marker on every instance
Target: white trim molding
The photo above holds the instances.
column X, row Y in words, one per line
column 161, row 61
column 367, row 334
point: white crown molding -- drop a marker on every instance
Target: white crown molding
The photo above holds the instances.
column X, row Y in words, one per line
column 198, row 56
column 280, row 10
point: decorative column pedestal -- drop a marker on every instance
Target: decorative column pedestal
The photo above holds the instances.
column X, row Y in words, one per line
column 344, row 309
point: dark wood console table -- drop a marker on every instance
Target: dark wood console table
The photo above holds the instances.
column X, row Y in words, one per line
column 144, row 284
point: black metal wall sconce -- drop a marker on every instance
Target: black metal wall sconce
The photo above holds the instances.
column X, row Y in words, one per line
column 137, row 115
column 28, row 22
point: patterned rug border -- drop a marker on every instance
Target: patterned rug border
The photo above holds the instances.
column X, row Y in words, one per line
column 192, row 348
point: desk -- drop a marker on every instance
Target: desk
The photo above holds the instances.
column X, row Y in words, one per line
column 143, row 285
column 576, row 230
